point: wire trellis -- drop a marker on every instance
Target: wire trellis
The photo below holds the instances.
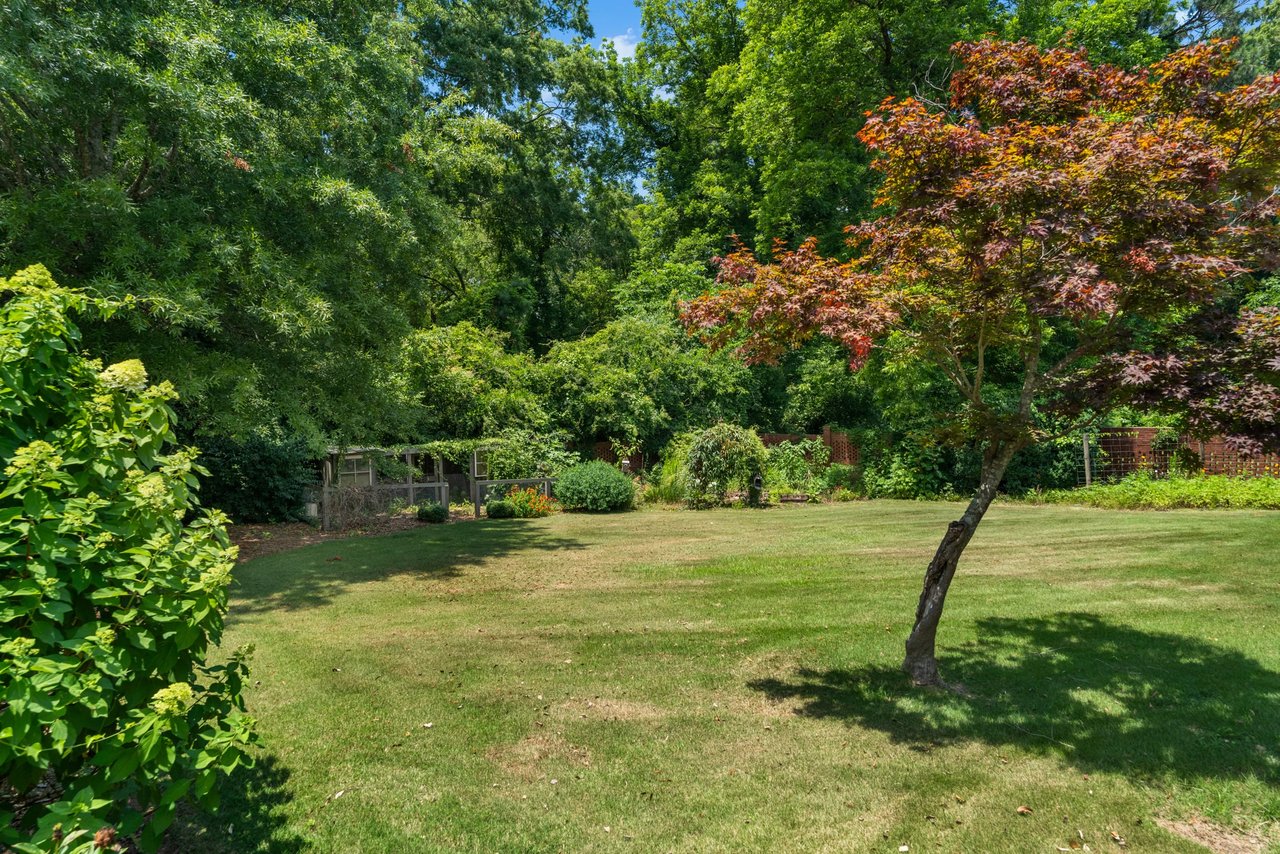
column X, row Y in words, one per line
column 1112, row 454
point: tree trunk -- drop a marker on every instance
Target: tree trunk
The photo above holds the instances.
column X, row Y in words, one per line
column 920, row 661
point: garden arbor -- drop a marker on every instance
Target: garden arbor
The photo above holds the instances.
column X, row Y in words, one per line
column 1061, row 238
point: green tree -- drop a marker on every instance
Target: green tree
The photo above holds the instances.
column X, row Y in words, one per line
column 1129, row 33
column 458, row 382
column 114, row 592
column 242, row 173
column 637, row 383
column 702, row 181
column 808, row 74
column 1260, row 44
column 287, row 191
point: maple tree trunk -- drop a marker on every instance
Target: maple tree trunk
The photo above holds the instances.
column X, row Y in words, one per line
column 920, row 661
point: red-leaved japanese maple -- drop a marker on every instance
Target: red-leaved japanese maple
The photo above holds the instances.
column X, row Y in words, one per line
column 1067, row 218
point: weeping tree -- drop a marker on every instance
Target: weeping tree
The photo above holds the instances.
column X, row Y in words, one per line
column 1044, row 237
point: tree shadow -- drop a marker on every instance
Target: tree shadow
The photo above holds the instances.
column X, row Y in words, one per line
column 1103, row 696
column 250, row 818
column 313, row 575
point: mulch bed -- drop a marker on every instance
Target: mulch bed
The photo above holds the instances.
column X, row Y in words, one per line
column 258, row 540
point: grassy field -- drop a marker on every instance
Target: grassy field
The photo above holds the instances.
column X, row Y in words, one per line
column 727, row 681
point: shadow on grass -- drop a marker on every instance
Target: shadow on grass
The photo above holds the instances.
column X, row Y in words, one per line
column 1103, row 696
column 313, row 575
column 251, row 817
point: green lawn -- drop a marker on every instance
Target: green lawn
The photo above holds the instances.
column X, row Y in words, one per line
column 727, row 681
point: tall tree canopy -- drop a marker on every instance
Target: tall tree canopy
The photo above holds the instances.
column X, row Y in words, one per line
column 806, row 76
column 297, row 196
column 1041, row 239
column 287, row 190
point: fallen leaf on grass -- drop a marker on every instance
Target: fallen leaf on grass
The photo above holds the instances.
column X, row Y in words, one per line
column 1117, row 839
column 1024, row 810
column 334, row 797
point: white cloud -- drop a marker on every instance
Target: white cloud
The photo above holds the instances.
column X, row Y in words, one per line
column 624, row 44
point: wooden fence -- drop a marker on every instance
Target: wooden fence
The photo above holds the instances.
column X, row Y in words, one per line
column 1114, row 452
column 345, row 506
column 843, row 450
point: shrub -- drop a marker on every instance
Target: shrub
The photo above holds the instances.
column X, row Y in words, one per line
column 909, row 470
column 1142, row 491
column 115, row 588
column 797, row 466
column 255, row 479
column 433, row 512
column 529, row 503
column 721, row 458
column 839, row 476
column 666, row 482
column 500, row 508
column 596, row 487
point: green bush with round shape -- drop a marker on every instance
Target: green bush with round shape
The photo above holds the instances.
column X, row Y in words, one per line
column 722, row 458
column 114, row 591
column 595, row 487
column 433, row 513
column 500, row 508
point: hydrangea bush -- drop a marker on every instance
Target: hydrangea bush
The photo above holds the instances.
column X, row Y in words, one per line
column 113, row 588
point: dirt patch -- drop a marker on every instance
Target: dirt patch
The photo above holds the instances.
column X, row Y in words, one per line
column 610, row 710
column 1215, row 837
column 258, row 540
column 525, row 759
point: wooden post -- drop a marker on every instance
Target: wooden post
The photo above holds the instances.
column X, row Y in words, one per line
column 411, row 477
column 1088, row 463
column 326, row 481
column 441, row 492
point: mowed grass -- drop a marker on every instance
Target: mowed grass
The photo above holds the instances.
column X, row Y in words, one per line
column 727, row 681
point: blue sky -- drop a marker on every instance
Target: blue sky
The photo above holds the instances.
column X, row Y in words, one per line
column 618, row 20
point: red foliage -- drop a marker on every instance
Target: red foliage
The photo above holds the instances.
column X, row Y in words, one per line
column 1226, row 379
